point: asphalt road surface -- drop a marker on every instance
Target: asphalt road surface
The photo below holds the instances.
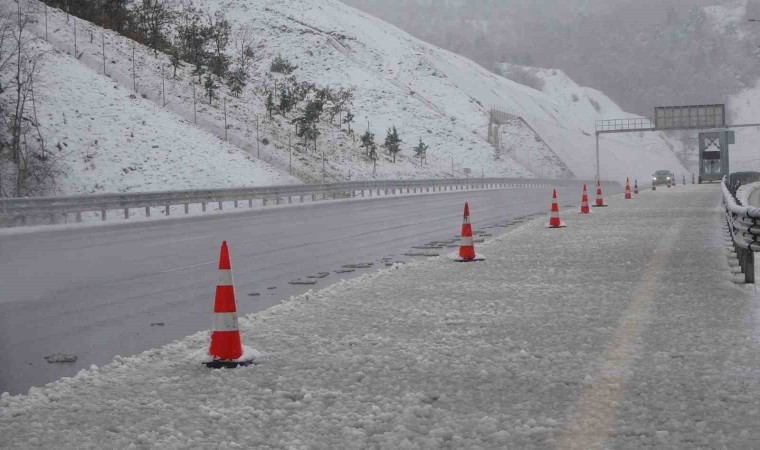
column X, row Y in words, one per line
column 113, row 290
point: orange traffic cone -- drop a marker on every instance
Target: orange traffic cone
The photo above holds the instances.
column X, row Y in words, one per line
column 554, row 221
column 225, row 349
column 628, row 189
column 635, row 186
column 467, row 246
column 584, row 202
column 599, row 199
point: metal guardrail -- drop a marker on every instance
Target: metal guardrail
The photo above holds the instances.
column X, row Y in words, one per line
column 743, row 222
column 20, row 211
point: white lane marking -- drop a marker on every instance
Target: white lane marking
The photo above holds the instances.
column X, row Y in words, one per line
column 180, row 240
column 188, row 267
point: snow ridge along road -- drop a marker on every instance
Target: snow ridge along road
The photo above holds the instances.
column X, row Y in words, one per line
column 512, row 352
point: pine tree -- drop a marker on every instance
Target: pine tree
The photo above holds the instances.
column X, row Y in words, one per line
column 393, row 142
column 210, row 87
column 285, row 101
column 348, row 120
column 175, row 59
column 420, row 151
column 219, row 36
column 311, row 134
column 192, row 37
column 368, row 141
column 236, row 81
column 270, row 104
column 199, row 71
column 313, row 111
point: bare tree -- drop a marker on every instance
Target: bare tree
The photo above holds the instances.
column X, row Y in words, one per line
column 25, row 165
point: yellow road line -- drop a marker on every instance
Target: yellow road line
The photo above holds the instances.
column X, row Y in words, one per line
column 596, row 410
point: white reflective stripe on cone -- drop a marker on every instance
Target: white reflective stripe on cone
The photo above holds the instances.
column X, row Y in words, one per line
column 467, row 241
column 225, row 322
column 466, row 219
column 225, row 277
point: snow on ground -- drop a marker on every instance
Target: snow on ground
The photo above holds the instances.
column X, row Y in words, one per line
column 428, row 93
column 108, row 140
column 625, row 329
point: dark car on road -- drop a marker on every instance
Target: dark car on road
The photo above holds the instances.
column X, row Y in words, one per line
column 663, row 177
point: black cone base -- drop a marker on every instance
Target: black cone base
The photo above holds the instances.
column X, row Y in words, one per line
column 221, row 364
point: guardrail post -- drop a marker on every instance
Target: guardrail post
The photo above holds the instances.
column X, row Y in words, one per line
column 168, row 209
column 235, row 202
column 103, row 214
column 265, row 201
column 314, row 197
column 363, row 193
column 290, row 199
column 221, row 206
column 52, row 218
column 301, row 198
column 126, row 213
column 250, row 203
column 203, row 206
column 749, row 267
column 147, row 211
column 187, row 208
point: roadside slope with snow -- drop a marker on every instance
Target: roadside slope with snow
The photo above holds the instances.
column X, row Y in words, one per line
column 106, row 139
column 428, row 93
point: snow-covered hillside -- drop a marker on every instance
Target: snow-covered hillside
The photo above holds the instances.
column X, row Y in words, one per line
column 745, row 108
column 570, row 126
column 106, row 139
column 428, row 93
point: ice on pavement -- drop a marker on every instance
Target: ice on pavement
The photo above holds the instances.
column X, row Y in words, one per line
column 622, row 331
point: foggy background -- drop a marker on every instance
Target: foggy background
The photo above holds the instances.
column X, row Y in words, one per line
column 642, row 53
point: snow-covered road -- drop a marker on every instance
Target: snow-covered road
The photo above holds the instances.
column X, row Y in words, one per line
column 119, row 290
column 623, row 330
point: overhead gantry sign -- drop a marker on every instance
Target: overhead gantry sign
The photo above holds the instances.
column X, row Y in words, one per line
column 669, row 118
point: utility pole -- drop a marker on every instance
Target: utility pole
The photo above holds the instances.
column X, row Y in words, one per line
column 163, row 86
column 598, row 177
column 195, row 108
column 290, row 156
column 46, row 26
column 103, row 37
column 134, row 76
column 224, row 100
column 75, row 37
column 323, row 168
column 258, row 145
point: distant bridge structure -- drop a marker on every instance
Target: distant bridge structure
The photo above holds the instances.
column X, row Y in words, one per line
column 499, row 117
